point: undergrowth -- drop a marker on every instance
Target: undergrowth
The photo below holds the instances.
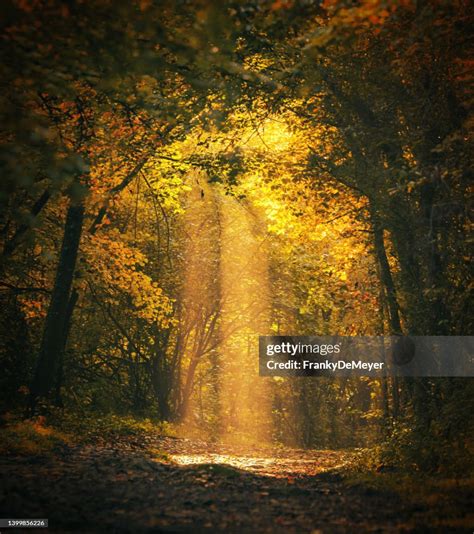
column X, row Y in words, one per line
column 44, row 435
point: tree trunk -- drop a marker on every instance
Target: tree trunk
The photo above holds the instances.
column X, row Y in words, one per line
column 67, row 326
column 385, row 273
column 437, row 282
column 55, row 327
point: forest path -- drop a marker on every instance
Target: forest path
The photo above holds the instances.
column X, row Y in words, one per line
column 177, row 485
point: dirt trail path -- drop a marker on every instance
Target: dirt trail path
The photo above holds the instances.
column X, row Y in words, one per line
column 198, row 487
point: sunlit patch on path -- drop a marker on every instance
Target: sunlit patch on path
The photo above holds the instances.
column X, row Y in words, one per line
column 275, row 462
column 265, row 466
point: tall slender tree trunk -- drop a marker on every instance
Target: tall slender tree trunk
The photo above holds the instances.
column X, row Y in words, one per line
column 67, row 327
column 436, row 280
column 385, row 273
column 385, row 379
column 392, row 305
column 54, row 339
